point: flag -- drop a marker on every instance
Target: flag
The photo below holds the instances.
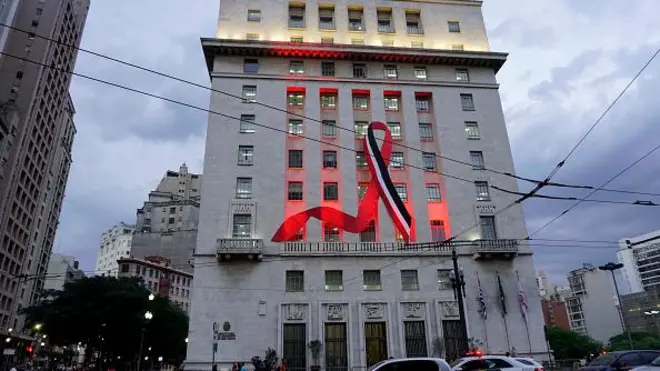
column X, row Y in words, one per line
column 522, row 301
column 481, row 301
column 502, row 297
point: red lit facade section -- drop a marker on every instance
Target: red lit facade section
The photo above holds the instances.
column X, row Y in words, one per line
column 294, row 166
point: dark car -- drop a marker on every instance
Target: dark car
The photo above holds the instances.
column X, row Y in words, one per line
column 621, row 360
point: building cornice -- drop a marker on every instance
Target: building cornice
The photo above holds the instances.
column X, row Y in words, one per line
column 477, row 3
column 430, row 84
column 230, row 47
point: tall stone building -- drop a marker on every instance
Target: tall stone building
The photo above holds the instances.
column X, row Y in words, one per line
column 167, row 223
column 36, row 136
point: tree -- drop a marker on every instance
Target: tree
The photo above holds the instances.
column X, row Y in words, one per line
column 107, row 314
column 567, row 344
column 640, row 340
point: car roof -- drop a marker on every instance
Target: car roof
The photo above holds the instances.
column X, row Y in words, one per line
column 441, row 361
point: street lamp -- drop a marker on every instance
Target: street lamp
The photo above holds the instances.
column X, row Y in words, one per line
column 457, row 278
column 147, row 316
column 611, row 267
column 37, row 326
column 460, row 281
column 654, row 313
column 186, row 340
column 151, row 297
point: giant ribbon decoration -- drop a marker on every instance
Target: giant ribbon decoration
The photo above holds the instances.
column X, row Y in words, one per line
column 380, row 186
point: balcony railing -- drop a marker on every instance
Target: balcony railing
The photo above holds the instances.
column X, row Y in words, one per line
column 359, row 248
column 240, row 249
column 495, row 249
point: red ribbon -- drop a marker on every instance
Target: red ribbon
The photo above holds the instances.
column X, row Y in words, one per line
column 367, row 208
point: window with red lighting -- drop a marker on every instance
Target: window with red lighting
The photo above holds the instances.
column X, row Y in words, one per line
column 331, row 233
column 329, row 128
column 296, row 99
column 295, row 191
column 330, row 191
column 361, row 102
column 423, row 104
column 402, row 190
column 300, row 235
column 296, row 67
column 425, row 131
column 362, row 190
column 295, row 127
column 328, row 101
column 296, row 158
column 437, row 230
column 360, row 160
column 397, row 161
column 392, row 102
column 329, row 159
column 395, row 129
column 369, row 234
column 360, row 128
column 433, row 193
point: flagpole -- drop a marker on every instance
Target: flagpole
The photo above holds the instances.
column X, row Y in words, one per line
column 529, row 338
column 484, row 314
column 503, row 310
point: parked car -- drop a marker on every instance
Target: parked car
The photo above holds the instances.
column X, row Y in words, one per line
column 653, row 366
column 491, row 363
column 623, row 360
column 531, row 362
column 411, row 364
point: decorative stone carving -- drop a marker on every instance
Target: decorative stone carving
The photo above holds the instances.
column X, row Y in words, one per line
column 295, row 312
column 242, row 207
column 485, row 209
column 335, row 312
column 449, row 309
column 413, row 310
column 374, row 311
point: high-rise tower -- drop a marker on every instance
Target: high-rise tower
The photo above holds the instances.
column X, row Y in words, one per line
column 328, row 69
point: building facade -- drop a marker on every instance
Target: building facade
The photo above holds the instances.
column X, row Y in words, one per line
column 167, row 222
column 641, row 310
column 641, row 261
column 542, row 283
column 160, row 278
column 7, row 13
column 115, row 244
column 592, row 306
column 36, row 148
column 61, row 270
column 554, row 312
column 327, row 70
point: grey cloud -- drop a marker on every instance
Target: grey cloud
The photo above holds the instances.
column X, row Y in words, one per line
column 525, row 33
column 561, row 77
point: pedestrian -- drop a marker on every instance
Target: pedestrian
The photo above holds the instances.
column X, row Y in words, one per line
column 234, row 367
column 507, row 354
column 243, row 368
column 13, row 368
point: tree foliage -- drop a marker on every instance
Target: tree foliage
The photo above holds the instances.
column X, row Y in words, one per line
column 567, row 344
column 268, row 363
column 640, row 340
column 107, row 314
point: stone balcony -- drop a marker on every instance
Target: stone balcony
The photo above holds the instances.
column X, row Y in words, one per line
column 495, row 249
column 240, row 249
column 300, row 248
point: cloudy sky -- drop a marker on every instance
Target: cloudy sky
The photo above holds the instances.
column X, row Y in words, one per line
column 568, row 60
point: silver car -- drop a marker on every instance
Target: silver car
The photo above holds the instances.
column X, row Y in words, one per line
column 412, row 364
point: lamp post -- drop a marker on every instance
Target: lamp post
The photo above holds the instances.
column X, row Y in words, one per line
column 457, row 278
column 147, row 316
column 611, row 267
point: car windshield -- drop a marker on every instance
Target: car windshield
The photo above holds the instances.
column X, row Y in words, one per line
column 453, row 364
column 525, row 361
column 656, row 362
column 605, row 359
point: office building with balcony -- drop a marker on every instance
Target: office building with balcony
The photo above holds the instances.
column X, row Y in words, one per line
column 641, row 261
column 592, row 307
column 327, row 70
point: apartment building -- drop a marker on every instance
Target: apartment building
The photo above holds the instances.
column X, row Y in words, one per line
column 327, row 70
column 115, row 244
column 36, row 135
column 166, row 224
column 641, row 261
column 62, row 269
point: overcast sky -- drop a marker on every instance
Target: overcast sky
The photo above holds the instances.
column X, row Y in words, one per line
column 568, row 60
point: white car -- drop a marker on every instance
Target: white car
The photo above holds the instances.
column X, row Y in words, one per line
column 411, row 364
column 491, row 363
column 531, row 362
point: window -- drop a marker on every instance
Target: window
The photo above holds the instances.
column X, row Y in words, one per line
column 327, row 18
column 295, row 191
column 385, row 21
column 423, row 104
column 355, row 17
column 387, row 42
column 420, row 73
column 362, row 189
column 477, row 158
column 428, row 158
column 360, row 70
column 360, row 161
column 454, row 26
column 329, row 159
column 395, row 129
column 242, row 226
column 425, row 131
column 357, row 41
column 245, row 155
column 296, row 158
column 360, row 128
column 296, row 100
column 444, row 283
column 296, row 39
column 369, row 233
column 462, row 75
column 391, row 102
column 413, row 23
column 249, row 93
column 334, row 280
column 295, row 281
column 295, row 127
column 467, row 102
column 330, row 191
column 244, row 188
column 125, row 268
column 296, row 67
column 330, row 233
column 415, row 338
column 247, row 124
column 472, row 130
column 327, row 68
column 296, row 16
column 402, row 190
column 487, row 227
column 390, row 71
column 409, row 280
column 437, row 230
column 483, row 193
column 417, row 44
column 251, row 65
column 328, row 101
column 433, row 193
column 327, row 40
column 254, row 15
column 361, row 102
column 457, row 47
column 336, row 346
column 371, row 280
column 329, row 128
column 252, row 36
column 396, row 161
